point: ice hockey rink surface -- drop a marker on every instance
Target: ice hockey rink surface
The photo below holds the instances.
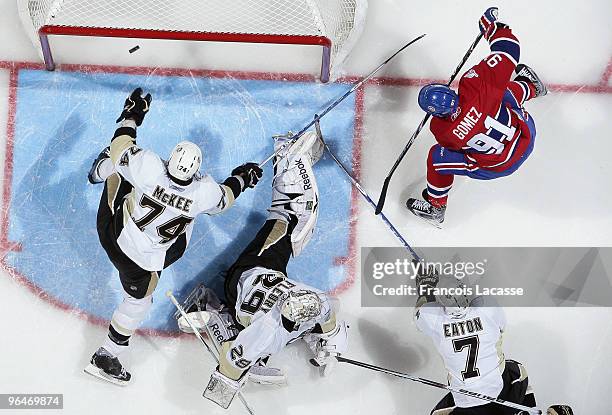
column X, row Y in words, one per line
column 59, row 290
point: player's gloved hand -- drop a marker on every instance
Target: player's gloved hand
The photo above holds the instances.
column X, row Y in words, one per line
column 327, row 346
column 136, row 107
column 488, row 23
column 426, row 275
column 251, row 173
column 560, row 410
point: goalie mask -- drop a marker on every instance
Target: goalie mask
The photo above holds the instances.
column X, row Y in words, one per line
column 301, row 306
column 451, row 293
column 185, row 160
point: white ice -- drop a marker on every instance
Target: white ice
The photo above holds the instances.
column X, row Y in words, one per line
column 560, row 197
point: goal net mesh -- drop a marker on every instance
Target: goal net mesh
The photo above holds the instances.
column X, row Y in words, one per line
column 339, row 20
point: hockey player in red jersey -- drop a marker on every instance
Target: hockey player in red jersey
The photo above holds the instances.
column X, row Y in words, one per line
column 482, row 131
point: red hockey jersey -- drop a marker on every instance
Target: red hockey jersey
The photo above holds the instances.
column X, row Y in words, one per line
column 491, row 134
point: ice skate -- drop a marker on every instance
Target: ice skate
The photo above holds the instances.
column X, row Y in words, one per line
column 105, row 366
column 425, row 210
column 526, row 74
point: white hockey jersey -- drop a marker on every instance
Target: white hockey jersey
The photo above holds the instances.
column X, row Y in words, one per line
column 258, row 310
column 158, row 210
column 471, row 347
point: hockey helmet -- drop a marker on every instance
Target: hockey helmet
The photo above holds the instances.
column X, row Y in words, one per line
column 301, row 306
column 185, row 160
column 438, row 100
column 452, row 294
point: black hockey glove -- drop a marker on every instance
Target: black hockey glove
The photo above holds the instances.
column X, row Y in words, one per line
column 560, row 410
column 427, row 275
column 251, row 173
column 426, row 278
column 136, row 107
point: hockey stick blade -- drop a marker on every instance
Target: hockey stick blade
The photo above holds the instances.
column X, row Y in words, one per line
column 383, row 195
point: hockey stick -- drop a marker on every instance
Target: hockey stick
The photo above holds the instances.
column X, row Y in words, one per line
column 340, row 99
column 199, row 336
column 383, row 192
column 364, row 193
column 498, row 401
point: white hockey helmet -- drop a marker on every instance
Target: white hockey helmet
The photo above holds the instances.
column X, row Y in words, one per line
column 185, row 160
column 301, row 306
column 452, row 294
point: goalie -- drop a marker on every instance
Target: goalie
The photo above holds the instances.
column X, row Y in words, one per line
column 267, row 310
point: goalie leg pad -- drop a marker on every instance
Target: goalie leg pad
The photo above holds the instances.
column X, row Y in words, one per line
column 295, row 195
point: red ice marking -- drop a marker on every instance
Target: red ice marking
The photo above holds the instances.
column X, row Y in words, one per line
column 605, row 76
column 350, row 261
column 43, row 295
column 6, row 245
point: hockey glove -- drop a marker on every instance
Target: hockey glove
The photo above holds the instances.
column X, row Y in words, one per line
column 488, row 23
column 427, row 278
column 136, row 107
column 327, row 346
column 560, row 410
column 251, row 173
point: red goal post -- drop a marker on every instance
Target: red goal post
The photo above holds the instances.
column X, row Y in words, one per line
column 335, row 25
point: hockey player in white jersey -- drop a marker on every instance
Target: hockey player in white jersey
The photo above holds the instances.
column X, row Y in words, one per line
column 270, row 309
column 145, row 220
column 468, row 333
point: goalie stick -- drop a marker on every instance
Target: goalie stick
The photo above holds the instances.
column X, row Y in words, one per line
column 383, row 192
column 439, row 385
column 199, row 336
column 363, row 192
column 340, row 99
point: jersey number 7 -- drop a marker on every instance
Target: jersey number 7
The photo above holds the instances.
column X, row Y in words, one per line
column 472, row 343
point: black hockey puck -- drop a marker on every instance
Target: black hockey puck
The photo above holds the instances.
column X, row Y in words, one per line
column 134, row 49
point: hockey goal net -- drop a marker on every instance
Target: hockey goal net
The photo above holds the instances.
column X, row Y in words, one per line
column 333, row 24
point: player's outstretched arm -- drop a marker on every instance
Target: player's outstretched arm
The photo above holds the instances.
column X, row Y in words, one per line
column 244, row 176
column 505, row 49
column 134, row 110
column 132, row 162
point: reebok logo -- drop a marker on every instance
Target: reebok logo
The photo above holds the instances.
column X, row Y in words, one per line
column 305, row 178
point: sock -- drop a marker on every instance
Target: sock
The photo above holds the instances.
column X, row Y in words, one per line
column 126, row 319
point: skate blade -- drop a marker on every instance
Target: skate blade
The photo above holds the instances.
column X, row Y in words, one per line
column 276, row 381
column 435, row 224
column 99, row 373
column 429, row 221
